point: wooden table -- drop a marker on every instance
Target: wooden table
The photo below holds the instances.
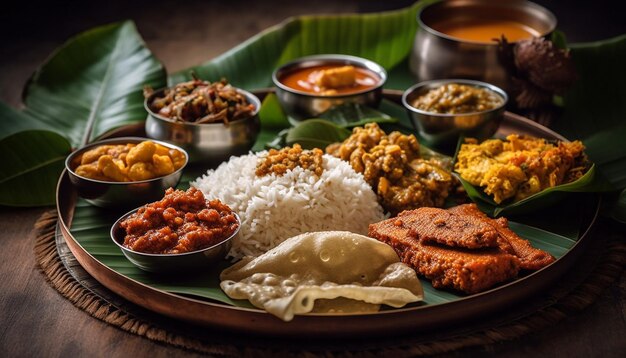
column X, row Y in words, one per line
column 38, row 321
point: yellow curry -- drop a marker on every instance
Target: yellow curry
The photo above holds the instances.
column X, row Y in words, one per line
column 129, row 162
column 519, row 166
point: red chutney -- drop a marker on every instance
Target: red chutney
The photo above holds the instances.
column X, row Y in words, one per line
column 180, row 222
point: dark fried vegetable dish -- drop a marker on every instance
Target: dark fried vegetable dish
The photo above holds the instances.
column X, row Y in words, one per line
column 199, row 102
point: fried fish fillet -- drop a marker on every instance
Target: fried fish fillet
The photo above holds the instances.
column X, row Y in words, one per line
column 460, row 247
column 469, row 271
column 530, row 258
column 432, row 225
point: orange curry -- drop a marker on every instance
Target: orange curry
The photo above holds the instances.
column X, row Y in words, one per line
column 331, row 80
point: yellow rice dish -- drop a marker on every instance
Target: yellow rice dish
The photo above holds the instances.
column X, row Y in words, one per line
column 519, row 166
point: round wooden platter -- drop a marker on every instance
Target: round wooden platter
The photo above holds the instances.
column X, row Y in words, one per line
column 384, row 323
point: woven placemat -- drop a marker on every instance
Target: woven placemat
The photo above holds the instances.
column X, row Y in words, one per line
column 601, row 264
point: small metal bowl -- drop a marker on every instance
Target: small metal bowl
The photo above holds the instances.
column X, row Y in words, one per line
column 442, row 130
column 300, row 105
column 169, row 263
column 437, row 55
column 109, row 194
column 206, row 143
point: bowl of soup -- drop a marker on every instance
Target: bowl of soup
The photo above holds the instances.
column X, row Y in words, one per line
column 309, row 86
column 459, row 38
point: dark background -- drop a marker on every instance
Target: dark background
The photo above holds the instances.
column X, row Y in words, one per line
column 50, row 20
column 186, row 33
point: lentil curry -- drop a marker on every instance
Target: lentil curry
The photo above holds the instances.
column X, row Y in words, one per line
column 279, row 161
column 454, row 98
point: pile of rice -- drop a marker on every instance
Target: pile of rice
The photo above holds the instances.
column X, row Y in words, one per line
column 274, row 208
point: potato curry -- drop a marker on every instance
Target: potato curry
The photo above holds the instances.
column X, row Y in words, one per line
column 128, row 162
column 391, row 164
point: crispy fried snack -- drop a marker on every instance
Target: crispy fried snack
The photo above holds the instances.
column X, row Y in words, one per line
column 468, row 271
column 432, row 225
column 530, row 257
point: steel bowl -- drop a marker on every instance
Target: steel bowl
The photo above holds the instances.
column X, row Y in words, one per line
column 109, row 194
column 436, row 55
column 443, row 130
column 171, row 263
column 300, row 105
column 206, row 143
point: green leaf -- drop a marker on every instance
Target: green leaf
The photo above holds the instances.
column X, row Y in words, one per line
column 90, row 85
column 279, row 141
column 606, row 150
column 384, row 37
column 91, row 225
column 265, row 137
column 595, row 110
column 596, row 101
column 274, row 121
column 94, row 82
column 559, row 39
column 32, row 162
column 272, row 115
column 13, row 121
column 316, row 133
column 33, row 157
column 350, row 115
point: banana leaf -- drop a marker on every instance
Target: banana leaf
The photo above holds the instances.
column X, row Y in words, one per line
column 596, row 101
column 90, row 85
column 350, row 115
column 32, row 153
column 595, row 110
column 94, row 83
column 316, row 133
column 91, row 228
column 278, row 131
column 30, row 157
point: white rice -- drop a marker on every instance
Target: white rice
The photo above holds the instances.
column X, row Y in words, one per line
column 274, row 208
